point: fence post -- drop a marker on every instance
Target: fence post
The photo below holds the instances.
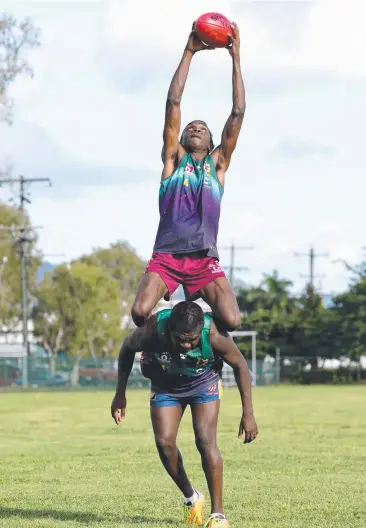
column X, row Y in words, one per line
column 254, row 359
column 278, row 365
column 25, row 369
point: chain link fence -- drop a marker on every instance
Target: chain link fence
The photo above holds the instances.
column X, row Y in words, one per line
column 66, row 373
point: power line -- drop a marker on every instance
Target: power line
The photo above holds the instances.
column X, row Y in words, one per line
column 233, row 248
column 22, row 240
column 311, row 255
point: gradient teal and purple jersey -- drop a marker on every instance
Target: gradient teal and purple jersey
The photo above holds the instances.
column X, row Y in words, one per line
column 189, row 205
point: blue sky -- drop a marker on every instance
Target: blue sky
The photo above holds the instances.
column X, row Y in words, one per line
column 92, row 117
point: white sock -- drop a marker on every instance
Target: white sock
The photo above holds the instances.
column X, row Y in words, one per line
column 191, row 500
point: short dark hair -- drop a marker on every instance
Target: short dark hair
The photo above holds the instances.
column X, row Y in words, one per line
column 211, row 143
column 186, row 317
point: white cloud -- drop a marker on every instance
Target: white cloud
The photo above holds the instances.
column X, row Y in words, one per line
column 336, row 37
column 330, row 35
column 164, row 22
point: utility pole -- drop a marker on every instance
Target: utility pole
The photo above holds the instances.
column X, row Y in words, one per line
column 233, row 248
column 311, row 255
column 23, row 265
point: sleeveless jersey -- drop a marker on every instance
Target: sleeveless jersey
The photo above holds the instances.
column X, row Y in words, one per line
column 189, row 205
column 183, row 373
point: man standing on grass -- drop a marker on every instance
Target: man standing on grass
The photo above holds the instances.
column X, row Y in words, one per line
column 182, row 355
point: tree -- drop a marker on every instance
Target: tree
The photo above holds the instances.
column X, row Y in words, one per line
column 78, row 311
column 11, row 219
column 349, row 312
column 15, row 38
column 123, row 264
column 49, row 325
column 270, row 310
column 310, row 341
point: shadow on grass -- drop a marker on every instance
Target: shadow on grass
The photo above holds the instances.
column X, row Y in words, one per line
column 80, row 517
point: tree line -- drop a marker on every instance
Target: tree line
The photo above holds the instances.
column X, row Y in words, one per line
column 78, row 307
column 301, row 325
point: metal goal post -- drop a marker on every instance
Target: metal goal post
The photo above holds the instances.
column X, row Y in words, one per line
column 253, row 335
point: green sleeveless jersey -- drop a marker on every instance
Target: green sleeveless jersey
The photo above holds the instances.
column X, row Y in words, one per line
column 190, row 363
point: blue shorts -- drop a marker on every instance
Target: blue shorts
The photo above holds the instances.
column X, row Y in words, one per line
column 211, row 393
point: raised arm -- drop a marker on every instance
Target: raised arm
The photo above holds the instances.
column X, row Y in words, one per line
column 134, row 342
column 222, row 154
column 172, row 149
column 226, row 348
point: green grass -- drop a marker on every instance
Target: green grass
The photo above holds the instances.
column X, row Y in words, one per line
column 63, row 462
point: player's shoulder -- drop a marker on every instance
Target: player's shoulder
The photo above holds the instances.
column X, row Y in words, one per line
column 151, row 325
column 175, row 158
column 162, row 315
column 214, row 333
column 143, row 334
column 218, row 338
column 172, row 164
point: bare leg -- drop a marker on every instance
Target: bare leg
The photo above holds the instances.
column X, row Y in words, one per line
column 204, row 417
column 221, row 297
column 150, row 290
column 165, row 421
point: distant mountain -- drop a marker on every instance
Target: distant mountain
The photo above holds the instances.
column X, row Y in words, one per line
column 46, row 267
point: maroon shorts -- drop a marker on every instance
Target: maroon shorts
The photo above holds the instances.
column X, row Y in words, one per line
column 193, row 271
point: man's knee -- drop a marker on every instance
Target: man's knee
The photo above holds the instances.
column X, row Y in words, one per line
column 229, row 321
column 233, row 321
column 165, row 445
column 206, row 444
column 140, row 311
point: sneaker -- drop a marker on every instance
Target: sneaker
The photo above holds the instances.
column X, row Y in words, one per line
column 193, row 513
column 217, row 522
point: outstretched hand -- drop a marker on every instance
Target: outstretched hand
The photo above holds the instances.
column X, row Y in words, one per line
column 118, row 408
column 248, row 428
column 234, row 41
column 194, row 44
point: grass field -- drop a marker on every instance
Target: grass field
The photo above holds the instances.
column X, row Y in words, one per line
column 63, row 462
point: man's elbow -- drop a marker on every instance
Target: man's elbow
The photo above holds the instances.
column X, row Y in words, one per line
column 238, row 111
column 238, row 367
column 240, row 364
column 173, row 100
column 126, row 348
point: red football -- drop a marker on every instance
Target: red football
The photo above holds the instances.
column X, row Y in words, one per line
column 212, row 29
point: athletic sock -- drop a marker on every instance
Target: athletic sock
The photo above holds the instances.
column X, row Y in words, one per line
column 189, row 501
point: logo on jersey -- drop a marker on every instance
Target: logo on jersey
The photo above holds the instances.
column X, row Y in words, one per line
column 207, row 168
column 202, row 362
column 207, row 181
column 188, row 170
column 164, row 359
